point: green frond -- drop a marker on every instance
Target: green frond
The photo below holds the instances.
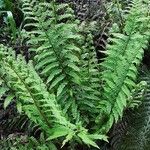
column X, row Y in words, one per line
column 137, row 96
column 56, row 53
column 64, row 89
column 37, row 103
column 120, row 67
column 136, row 134
column 21, row 76
column 90, row 76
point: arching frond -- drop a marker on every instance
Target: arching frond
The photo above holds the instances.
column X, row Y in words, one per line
column 120, row 67
column 37, row 103
column 56, row 50
column 136, row 134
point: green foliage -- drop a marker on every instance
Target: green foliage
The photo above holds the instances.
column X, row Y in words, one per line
column 120, row 67
column 56, row 53
column 133, row 131
column 62, row 88
column 137, row 96
column 138, row 136
column 38, row 104
column 59, row 54
column 6, row 5
column 90, row 75
column 7, row 12
column 11, row 24
column 139, row 130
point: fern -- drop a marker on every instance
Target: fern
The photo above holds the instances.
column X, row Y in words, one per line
column 38, row 104
column 64, row 90
column 56, row 52
column 122, row 128
column 135, row 133
column 17, row 82
column 5, row 92
column 120, row 67
column 59, row 55
column 138, row 130
column 90, row 76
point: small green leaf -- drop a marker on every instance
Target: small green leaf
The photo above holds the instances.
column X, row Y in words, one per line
column 87, row 140
column 8, row 100
column 99, row 137
column 57, row 80
column 58, row 131
column 12, row 23
column 60, row 88
column 73, row 66
column 68, row 138
column 2, row 91
column 49, row 67
column 19, row 107
column 53, row 74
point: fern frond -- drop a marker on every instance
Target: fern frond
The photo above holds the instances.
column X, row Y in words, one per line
column 37, row 103
column 137, row 95
column 124, row 55
column 90, row 76
column 137, row 133
column 20, row 81
column 57, row 55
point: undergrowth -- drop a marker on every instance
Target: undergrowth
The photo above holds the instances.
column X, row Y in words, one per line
column 64, row 90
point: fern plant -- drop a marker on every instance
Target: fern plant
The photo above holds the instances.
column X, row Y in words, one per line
column 138, row 130
column 125, row 53
column 133, row 131
column 58, row 57
column 38, row 104
column 62, row 88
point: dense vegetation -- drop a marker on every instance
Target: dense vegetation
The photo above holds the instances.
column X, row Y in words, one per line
column 74, row 75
